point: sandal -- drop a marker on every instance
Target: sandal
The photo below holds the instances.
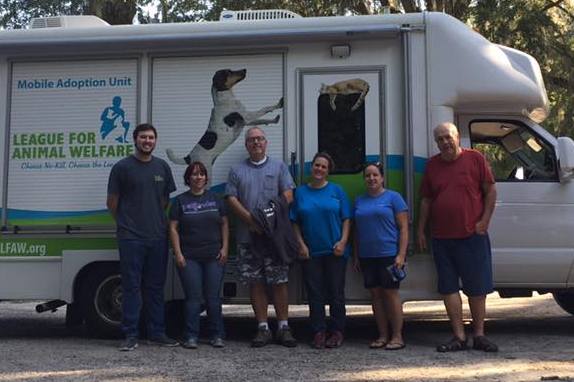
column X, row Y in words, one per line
column 395, row 346
column 484, row 344
column 379, row 343
column 455, row 344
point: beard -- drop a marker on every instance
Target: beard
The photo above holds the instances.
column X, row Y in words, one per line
column 144, row 150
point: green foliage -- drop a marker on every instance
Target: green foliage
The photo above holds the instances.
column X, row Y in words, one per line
column 543, row 29
column 115, row 12
column 457, row 8
column 173, row 11
column 16, row 14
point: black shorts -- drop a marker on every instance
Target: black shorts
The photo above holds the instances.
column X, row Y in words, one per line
column 375, row 273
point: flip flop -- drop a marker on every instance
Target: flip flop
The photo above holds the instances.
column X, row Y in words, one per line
column 379, row 343
column 395, row 346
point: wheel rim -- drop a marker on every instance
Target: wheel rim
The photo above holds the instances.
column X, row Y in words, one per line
column 108, row 300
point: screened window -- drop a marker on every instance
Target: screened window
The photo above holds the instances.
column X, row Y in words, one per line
column 342, row 131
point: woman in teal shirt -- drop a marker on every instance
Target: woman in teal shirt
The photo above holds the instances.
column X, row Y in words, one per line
column 321, row 215
column 381, row 238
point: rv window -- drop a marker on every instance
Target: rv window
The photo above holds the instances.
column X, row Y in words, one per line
column 515, row 153
column 341, row 131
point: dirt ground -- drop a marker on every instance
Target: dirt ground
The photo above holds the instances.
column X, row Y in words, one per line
column 535, row 336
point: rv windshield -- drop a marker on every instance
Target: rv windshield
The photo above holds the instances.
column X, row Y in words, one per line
column 515, row 152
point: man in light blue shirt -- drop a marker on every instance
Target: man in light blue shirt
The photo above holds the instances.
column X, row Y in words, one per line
column 251, row 184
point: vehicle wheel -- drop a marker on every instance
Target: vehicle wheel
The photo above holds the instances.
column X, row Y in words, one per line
column 101, row 301
column 566, row 300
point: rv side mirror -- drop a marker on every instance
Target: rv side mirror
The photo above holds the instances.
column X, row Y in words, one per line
column 566, row 158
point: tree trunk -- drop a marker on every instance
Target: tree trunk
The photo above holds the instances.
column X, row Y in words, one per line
column 410, row 6
column 115, row 12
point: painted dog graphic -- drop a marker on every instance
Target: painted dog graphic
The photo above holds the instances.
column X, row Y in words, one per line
column 228, row 118
column 356, row 85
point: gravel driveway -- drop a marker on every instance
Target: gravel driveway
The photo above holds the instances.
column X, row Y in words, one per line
column 535, row 336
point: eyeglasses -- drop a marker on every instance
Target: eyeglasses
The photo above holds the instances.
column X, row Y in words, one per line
column 256, row 139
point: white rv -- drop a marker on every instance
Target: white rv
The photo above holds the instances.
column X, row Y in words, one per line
column 363, row 88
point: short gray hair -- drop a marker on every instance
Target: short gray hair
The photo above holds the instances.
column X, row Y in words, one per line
column 254, row 128
column 451, row 127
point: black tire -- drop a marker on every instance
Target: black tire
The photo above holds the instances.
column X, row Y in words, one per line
column 566, row 300
column 74, row 316
column 101, row 301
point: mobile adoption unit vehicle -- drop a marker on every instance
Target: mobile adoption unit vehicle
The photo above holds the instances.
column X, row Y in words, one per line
column 362, row 88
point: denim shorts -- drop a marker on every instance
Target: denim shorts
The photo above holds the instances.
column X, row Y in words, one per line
column 254, row 268
column 375, row 273
column 468, row 260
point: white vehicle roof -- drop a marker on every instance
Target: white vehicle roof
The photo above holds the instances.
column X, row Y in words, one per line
column 463, row 68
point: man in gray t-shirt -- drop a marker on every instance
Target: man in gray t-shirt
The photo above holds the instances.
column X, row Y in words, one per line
column 251, row 184
column 138, row 193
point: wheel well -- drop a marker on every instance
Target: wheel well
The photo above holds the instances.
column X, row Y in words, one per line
column 99, row 299
column 86, row 270
column 565, row 299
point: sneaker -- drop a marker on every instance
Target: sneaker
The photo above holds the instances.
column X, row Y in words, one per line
column 335, row 340
column 262, row 338
column 190, row 343
column 217, row 343
column 319, row 340
column 285, row 338
column 162, row 340
column 129, row 344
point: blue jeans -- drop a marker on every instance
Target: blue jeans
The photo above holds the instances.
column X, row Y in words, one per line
column 202, row 280
column 143, row 264
column 325, row 282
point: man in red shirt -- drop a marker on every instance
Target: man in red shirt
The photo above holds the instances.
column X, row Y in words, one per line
column 458, row 195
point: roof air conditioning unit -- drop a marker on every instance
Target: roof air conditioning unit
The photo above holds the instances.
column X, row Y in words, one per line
column 260, row 14
column 87, row 21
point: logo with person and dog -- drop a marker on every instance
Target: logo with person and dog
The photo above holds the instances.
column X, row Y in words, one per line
column 114, row 124
column 67, row 149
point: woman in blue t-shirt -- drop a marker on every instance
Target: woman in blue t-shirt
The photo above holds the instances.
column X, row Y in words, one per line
column 321, row 215
column 381, row 238
column 199, row 234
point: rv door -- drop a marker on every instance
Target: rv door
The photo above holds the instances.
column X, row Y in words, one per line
column 341, row 113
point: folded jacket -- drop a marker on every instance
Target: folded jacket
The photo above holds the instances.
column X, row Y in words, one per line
column 278, row 238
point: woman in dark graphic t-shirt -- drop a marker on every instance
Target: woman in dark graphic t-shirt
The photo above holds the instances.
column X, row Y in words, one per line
column 199, row 234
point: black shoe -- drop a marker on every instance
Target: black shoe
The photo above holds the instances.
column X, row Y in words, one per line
column 262, row 338
column 454, row 344
column 285, row 338
column 190, row 343
column 129, row 344
column 217, row 342
column 484, row 344
column 162, row 340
